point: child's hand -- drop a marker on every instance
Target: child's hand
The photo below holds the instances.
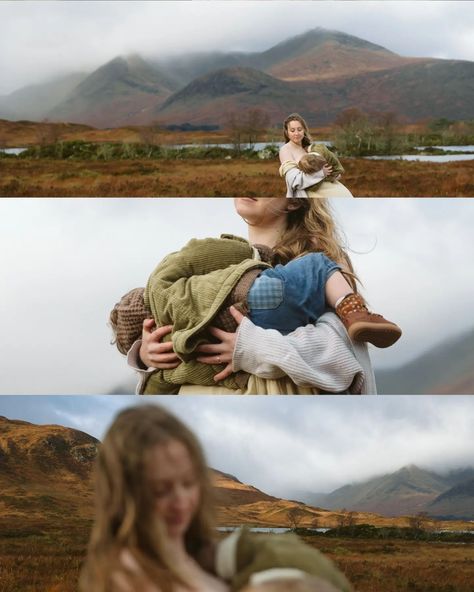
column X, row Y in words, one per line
column 327, row 170
column 153, row 352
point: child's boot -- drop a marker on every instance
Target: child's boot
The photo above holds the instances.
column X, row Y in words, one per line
column 363, row 325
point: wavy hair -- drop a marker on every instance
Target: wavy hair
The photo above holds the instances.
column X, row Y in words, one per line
column 310, row 228
column 307, row 140
column 125, row 519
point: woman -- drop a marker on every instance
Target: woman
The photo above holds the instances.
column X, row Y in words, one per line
column 299, row 143
column 312, row 359
column 154, row 528
column 154, row 524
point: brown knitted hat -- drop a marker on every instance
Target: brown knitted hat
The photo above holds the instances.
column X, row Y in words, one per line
column 127, row 318
column 311, row 163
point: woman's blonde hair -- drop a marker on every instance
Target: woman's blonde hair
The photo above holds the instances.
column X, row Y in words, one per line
column 306, row 141
column 311, row 228
column 125, row 518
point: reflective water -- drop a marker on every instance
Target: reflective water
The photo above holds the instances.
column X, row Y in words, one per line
column 15, row 151
column 273, row 529
column 425, row 157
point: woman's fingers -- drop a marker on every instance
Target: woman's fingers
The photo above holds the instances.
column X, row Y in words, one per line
column 209, row 348
column 225, row 373
column 238, row 316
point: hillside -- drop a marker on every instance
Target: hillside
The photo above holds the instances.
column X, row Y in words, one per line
column 45, row 471
column 35, row 101
column 319, row 73
column 455, row 503
column 120, row 92
column 448, row 368
column 409, row 490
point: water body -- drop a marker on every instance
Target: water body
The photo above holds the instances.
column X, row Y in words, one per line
column 256, row 147
column 277, row 530
column 14, row 151
column 425, row 157
column 466, row 148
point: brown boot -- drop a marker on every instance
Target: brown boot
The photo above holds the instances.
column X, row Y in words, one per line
column 363, row 325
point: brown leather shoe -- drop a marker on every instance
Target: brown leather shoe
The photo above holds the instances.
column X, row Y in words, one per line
column 363, row 325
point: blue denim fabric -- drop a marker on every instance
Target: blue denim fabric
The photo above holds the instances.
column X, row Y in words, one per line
column 289, row 296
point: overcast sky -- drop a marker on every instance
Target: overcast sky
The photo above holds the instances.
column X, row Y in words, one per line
column 285, row 444
column 40, row 39
column 64, row 263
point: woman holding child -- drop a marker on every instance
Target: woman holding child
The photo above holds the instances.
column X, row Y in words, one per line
column 310, row 170
column 154, row 528
column 317, row 354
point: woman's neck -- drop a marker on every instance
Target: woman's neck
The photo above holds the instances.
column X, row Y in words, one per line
column 267, row 235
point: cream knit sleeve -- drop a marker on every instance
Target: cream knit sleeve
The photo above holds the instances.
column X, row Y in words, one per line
column 315, row 355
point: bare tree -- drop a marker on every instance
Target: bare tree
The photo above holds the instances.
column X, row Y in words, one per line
column 295, row 516
column 47, row 132
column 247, row 127
column 346, row 518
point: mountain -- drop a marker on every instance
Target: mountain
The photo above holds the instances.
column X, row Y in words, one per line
column 455, row 503
column 426, row 89
column 45, row 470
column 210, row 98
column 407, row 491
column 35, row 101
column 448, row 368
column 46, row 478
column 122, row 91
column 319, row 73
column 321, row 53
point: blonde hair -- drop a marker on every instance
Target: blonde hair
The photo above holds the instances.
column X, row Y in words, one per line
column 311, row 228
column 307, row 140
column 125, row 519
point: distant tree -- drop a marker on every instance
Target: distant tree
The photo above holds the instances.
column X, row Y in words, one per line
column 295, row 516
column 418, row 521
column 47, row 132
column 346, row 518
column 247, row 127
column 256, row 122
column 149, row 134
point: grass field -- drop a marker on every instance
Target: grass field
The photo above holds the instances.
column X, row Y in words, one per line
column 48, row 559
column 402, row 566
column 222, row 178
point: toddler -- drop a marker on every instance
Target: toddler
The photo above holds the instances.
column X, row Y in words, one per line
column 194, row 287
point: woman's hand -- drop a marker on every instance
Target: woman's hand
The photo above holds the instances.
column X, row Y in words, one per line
column 327, row 170
column 155, row 353
column 221, row 353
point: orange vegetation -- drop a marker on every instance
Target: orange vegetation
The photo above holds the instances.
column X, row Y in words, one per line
column 222, row 178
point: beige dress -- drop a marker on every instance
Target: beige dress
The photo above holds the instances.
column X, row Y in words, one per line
column 255, row 386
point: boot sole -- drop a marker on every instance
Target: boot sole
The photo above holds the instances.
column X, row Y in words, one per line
column 381, row 335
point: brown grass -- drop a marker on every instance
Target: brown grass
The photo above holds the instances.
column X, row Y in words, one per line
column 222, row 178
column 401, row 566
column 48, row 559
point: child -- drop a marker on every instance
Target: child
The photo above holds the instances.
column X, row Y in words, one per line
column 194, row 287
column 261, row 562
column 314, row 167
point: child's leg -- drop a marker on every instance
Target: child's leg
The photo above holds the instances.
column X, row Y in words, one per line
column 337, row 288
column 292, row 295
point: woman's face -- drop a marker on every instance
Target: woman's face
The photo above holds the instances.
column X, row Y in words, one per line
column 261, row 211
column 171, row 475
column 295, row 131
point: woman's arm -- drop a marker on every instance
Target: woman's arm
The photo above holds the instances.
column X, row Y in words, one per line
column 285, row 154
column 320, row 355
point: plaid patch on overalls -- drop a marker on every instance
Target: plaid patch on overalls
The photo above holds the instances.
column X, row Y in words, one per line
column 265, row 293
